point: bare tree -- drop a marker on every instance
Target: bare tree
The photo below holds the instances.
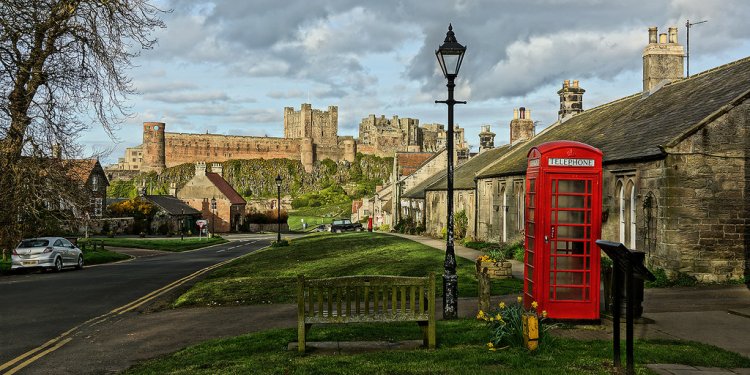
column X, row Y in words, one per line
column 63, row 67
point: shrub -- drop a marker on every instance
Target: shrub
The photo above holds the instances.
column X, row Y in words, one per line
column 677, row 279
column 282, row 243
column 385, row 228
column 462, row 223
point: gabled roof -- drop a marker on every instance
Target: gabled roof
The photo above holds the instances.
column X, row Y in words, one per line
column 171, row 205
column 81, row 169
column 410, row 161
column 463, row 175
column 232, row 195
column 637, row 127
column 417, row 192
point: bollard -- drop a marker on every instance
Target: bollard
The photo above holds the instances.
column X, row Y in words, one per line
column 530, row 331
column 483, row 286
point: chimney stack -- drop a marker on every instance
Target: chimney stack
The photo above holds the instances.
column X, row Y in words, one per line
column 218, row 169
column 200, row 168
column 571, row 100
column 173, row 189
column 521, row 127
column 486, row 139
column 663, row 61
column 56, row 151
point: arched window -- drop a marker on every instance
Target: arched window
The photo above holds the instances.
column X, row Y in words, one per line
column 632, row 215
column 621, row 210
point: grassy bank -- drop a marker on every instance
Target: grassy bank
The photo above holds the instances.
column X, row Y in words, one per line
column 270, row 276
column 318, row 215
column 461, row 350
column 164, row 244
column 91, row 257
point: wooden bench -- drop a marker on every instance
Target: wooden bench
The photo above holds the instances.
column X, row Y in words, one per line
column 361, row 299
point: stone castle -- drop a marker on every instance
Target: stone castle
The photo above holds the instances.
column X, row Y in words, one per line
column 309, row 135
column 384, row 137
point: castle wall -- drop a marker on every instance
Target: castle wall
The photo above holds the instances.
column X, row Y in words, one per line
column 187, row 148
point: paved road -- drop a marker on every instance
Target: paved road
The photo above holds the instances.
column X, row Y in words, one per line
column 39, row 310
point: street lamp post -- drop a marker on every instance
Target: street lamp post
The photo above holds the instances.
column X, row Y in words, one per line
column 213, row 219
column 450, row 55
column 278, row 208
column 182, row 225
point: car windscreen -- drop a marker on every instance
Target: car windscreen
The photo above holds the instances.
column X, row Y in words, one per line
column 33, row 243
column 337, row 222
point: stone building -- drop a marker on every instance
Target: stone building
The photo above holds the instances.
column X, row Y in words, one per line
column 310, row 135
column 204, row 186
column 384, row 137
column 675, row 166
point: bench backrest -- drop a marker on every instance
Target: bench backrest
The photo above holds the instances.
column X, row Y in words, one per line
column 366, row 299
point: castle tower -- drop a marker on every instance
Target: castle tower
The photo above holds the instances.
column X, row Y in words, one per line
column 571, row 100
column 331, row 131
column 662, row 59
column 522, row 127
column 350, row 149
column 154, row 153
column 306, row 154
column 486, row 139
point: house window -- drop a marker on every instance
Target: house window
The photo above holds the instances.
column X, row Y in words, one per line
column 94, row 183
column 627, row 211
column 96, row 206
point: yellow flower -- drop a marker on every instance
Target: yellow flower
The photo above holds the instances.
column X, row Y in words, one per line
column 520, row 299
column 499, row 317
column 534, row 305
column 502, row 305
column 491, row 346
column 544, row 313
column 480, row 315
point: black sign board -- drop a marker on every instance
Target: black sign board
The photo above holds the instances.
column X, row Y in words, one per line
column 625, row 262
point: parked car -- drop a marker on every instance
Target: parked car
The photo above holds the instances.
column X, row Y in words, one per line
column 46, row 252
column 344, row 225
column 321, row 228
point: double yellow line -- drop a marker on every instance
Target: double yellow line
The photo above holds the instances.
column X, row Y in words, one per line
column 50, row 346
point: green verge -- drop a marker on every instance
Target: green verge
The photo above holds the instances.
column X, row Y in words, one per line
column 461, row 350
column 4, row 265
column 318, row 215
column 165, row 244
column 102, row 256
column 271, row 276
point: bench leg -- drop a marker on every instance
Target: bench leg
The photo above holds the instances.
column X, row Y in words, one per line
column 428, row 334
column 302, row 330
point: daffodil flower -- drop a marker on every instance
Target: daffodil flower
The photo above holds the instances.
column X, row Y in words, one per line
column 519, row 299
column 502, row 305
column 534, row 305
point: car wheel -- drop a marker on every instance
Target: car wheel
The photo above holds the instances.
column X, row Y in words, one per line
column 358, row 229
column 58, row 265
column 80, row 262
column 338, row 230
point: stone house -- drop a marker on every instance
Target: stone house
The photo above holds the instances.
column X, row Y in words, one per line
column 172, row 215
column 675, row 165
column 90, row 175
column 464, row 192
column 205, row 186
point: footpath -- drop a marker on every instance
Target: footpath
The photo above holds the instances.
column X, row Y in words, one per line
column 717, row 315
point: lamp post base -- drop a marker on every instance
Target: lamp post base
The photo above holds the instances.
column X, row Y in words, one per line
column 450, row 296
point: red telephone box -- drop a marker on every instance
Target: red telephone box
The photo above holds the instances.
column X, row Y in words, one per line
column 563, row 221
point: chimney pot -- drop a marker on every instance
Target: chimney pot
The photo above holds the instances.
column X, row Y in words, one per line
column 575, row 84
column 673, row 35
column 515, row 113
column 662, row 38
column 652, row 35
column 566, row 83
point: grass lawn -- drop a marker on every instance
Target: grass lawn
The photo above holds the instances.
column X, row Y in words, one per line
column 165, row 244
column 318, row 215
column 271, row 275
column 4, row 265
column 461, row 350
column 91, row 257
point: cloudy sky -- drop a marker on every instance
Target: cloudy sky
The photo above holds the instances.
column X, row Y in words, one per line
column 230, row 67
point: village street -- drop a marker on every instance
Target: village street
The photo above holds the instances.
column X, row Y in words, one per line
column 41, row 312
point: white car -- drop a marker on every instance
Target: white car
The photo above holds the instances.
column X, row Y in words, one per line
column 46, row 252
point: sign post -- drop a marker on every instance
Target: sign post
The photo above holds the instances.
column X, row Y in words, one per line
column 624, row 260
column 201, row 224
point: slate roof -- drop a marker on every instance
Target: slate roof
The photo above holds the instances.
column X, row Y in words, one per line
column 171, row 205
column 463, row 175
column 636, row 127
column 410, row 161
column 417, row 192
column 232, row 195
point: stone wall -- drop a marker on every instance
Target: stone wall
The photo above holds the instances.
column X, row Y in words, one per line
column 705, row 209
column 500, row 212
column 187, row 148
column 436, row 217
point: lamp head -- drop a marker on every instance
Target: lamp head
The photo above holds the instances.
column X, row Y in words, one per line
column 450, row 55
